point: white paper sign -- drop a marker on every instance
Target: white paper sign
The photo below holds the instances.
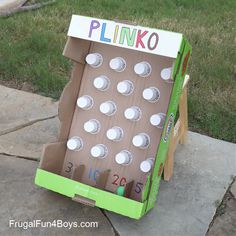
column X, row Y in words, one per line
column 138, row 38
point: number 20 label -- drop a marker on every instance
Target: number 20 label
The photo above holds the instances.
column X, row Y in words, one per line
column 122, row 182
column 119, row 181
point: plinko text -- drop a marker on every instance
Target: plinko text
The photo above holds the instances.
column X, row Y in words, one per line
column 125, row 35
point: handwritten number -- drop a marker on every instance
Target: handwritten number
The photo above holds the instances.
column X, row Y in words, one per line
column 115, row 181
column 138, row 187
column 69, row 167
column 93, row 174
column 119, row 181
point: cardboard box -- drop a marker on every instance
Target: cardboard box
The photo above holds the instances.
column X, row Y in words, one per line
column 96, row 181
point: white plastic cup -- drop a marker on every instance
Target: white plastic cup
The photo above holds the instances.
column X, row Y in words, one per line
column 108, row 108
column 92, row 126
column 147, row 165
column 132, row 113
column 85, row 102
column 94, row 59
column 158, row 120
column 74, row 144
column 141, row 140
column 123, row 158
column 115, row 133
column 125, row 87
column 101, row 83
column 151, row 94
column 143, row 69
column 117, row 64
column 166, row 74
column 99, row 151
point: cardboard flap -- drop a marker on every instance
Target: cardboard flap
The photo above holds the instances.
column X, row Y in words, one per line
column 83, row 200
column 50, row 151
column 78, row 172
column 102, row 179
column 68, row 99
column 76, row 49
column 128, row 188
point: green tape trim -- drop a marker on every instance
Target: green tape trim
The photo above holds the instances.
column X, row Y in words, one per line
column 103, row 199
column 169, row 124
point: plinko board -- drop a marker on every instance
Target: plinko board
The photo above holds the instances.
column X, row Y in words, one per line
column 117, row 114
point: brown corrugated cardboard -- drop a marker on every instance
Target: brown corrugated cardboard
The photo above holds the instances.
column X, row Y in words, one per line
column 93, row 167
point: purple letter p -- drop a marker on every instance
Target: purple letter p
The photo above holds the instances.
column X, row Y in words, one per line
column 94, row 25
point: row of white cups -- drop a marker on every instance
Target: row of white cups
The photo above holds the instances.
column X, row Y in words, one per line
column 118, row 64
column 124, row 157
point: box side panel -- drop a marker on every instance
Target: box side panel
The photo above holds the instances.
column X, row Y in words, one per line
column 180, row 69
column 76, row 49
column 67, row 101
column 53, row 154
column 102, row 199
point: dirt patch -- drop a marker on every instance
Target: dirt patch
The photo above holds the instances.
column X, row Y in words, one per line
column 24, row 86
column 224, row 221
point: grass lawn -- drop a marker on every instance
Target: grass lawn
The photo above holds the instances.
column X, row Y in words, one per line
column 31, row 45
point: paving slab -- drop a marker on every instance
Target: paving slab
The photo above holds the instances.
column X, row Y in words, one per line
column 19, row 109
column 28, row 141
column 186, row 205
column 9, row 4
column 233, row 189
column 21, row 200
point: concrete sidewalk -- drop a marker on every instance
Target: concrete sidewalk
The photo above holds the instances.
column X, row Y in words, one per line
column 21, row 200
column 10, row 4
column 186, row 205
column 27, row 121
